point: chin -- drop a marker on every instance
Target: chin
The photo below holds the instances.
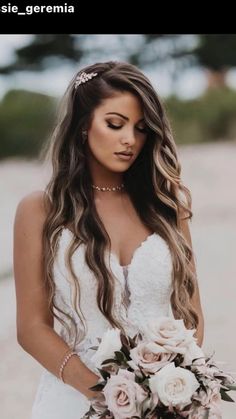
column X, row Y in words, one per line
column 115, row 170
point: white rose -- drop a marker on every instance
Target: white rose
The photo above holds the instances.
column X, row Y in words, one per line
column 174, row 385
column 169, row 333
column 109, row 344
column 150, row 356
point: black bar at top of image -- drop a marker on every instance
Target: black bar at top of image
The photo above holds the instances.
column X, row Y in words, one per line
column 91, row 16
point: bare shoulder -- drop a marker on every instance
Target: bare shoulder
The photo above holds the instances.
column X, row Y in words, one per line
column 31, row 211
column 31, row 294
column 33, row 201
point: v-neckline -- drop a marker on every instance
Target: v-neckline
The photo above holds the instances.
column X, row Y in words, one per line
column 143, row 243
column 114, row 256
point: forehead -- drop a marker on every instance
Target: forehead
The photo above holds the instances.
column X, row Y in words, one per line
column 124, row 103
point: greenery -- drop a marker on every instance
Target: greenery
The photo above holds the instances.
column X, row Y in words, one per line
column 215, row 52
column 27, row 119
column 210, row 117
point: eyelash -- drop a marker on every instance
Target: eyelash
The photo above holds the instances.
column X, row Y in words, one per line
column 143, row 131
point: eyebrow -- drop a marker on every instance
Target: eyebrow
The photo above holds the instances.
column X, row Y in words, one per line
column 122, row 116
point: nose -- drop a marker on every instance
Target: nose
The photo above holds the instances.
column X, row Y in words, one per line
column 128, row 138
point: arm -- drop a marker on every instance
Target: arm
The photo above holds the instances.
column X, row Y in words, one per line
column 35, row 332
column 184, row 227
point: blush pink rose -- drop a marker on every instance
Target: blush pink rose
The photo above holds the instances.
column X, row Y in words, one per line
column 169, row 333
column 150, row 356
column 123, row 395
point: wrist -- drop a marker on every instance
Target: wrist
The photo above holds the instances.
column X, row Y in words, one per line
column 92, row 381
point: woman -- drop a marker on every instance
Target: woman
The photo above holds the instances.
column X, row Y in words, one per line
column 107, row 244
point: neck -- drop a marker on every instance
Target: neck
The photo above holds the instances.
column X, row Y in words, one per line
column 102, row 177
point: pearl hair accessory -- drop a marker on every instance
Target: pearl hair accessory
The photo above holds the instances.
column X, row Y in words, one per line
column 83, row 78
column 114, row 188
column 66, row 359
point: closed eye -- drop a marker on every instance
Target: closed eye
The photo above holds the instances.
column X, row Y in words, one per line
column 112, row 126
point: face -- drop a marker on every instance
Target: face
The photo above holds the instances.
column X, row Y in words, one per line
column 117, row 126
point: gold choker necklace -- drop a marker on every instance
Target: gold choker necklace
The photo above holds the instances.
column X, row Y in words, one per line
column 104, row 189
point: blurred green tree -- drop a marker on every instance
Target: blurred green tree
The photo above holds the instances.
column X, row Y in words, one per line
column 26, row 121
column 216, row 53
column 35, row 56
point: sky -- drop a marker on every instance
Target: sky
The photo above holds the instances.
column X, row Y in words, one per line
column 54, row 81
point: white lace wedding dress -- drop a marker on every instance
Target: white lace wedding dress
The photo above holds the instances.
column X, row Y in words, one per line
column 146, row 284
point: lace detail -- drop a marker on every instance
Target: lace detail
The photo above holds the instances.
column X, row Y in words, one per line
column 142, row 291
column 127, row 291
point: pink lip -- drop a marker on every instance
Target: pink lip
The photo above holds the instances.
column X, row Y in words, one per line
column 125, row 153
column 124, row 156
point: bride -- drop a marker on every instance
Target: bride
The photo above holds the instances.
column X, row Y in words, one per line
column 107, row 243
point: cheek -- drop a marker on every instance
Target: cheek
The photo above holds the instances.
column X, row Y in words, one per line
column 101, row 138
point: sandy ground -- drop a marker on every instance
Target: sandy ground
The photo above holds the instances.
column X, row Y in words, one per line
column 209, row 171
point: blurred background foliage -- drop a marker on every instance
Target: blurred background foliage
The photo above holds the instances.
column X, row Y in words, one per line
column 27, row 118
column 211, row 117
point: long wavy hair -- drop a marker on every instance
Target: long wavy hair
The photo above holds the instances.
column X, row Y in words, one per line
column 153, row 183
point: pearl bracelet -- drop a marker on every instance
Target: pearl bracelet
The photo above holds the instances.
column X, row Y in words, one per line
column 66, row 359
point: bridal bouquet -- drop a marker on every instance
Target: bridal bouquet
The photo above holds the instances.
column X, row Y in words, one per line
column 161, row 373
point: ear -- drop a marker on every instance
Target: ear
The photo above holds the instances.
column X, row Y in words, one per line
column 84, row 136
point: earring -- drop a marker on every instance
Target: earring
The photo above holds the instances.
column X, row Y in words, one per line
column 84, row 136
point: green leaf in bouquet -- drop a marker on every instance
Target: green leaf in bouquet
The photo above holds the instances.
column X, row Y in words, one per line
column 146, row 382
column 106, row 414
column 225, row 396
column 231, row 386
column 105, row 375
column 120, row 356
column 89, row 413
column 110, row 361
column 137, row 338
column 178, row 360
column 141, row 370
column 98, row 387
column 138, row 379
column 138, row 376
column 133, row 341
column 124, row 339
column 126, row 352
